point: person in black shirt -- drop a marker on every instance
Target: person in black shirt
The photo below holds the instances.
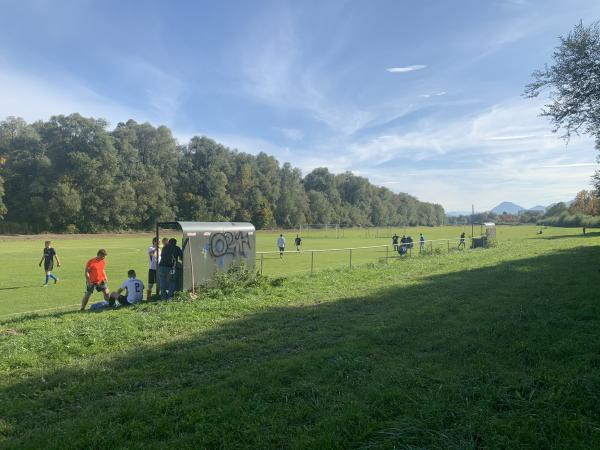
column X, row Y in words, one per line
column 402, row 247
column 298, row 242
column 167, row 269
column 462, row 240
column 48, row 260
column 395, row 242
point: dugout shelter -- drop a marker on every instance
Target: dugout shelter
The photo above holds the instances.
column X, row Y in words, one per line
column 488, row 233
column 490, row 230
column 210, row 247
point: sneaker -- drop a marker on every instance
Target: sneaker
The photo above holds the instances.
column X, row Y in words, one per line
column 44, row 285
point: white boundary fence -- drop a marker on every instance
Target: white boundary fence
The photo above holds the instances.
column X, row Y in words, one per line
column 388, row 251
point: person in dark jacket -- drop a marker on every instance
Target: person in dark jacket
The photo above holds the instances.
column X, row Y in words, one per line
column 167, row 269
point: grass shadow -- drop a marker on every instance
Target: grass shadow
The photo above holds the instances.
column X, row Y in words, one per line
column 11, row 288
column 496, row 357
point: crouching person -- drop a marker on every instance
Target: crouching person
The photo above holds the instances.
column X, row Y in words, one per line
column 134, row 289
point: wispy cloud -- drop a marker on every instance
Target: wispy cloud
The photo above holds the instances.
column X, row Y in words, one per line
column 504, row 149
column 438, row 94
column 511, row 138
column 292, row 133
column 406, row 69
column 558, row 166
column 162, row 91
column 512, row 2
column 35, row 98
column 278, row 74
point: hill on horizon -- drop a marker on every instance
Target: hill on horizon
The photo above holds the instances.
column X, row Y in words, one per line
column 508, row 207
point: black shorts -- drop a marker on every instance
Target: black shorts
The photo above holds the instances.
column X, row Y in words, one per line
column 282, row 249
column 151, row 276
column 100, row 287
column 122, row 301
column 48, row 266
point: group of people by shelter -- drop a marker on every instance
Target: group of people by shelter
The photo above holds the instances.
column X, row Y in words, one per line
column 164, row 266
column 207, row 248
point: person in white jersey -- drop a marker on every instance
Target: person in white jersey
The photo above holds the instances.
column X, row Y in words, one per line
column 281, row 245
column 153, row 260
column 134, row 288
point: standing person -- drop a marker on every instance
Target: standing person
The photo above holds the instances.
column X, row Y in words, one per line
column 153, row 258
column 462, row 240
column 134, row 288
column 281, row 245
column 395, row 242
column 402, row 248
column 167, row 269
column 95, row 277
column 421, row 242
column 298, row 242
column 583, row 234
column 48, row 259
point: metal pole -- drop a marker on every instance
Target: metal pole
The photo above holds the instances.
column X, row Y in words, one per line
column 261, row 263
column 448, row 245
column 157, row 253
column 387, row 251
column 431, row 246
column 350, row 258
column 189, row 244
column 312, row 261
column 472, row 214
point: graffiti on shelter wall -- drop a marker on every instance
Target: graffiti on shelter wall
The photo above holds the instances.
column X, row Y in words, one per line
column 229, row 243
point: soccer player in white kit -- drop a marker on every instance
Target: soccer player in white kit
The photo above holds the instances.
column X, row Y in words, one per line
column 153, row 260
column 134, row 288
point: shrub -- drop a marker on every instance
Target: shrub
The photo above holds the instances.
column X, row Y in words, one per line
column 234, row 279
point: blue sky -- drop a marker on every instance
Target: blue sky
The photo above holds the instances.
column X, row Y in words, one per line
column 422, row 97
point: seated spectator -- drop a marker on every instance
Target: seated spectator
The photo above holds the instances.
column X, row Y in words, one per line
column 134, row 288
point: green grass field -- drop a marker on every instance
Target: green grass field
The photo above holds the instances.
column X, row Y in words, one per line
column 21, row 279
column 495, row 348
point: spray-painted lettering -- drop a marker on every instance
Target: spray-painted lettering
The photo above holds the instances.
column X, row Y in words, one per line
column 229, row 243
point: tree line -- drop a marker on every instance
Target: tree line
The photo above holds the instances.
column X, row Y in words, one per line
column 73, row 174
column 581, row 212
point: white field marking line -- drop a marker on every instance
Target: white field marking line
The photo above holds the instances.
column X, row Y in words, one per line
column 40, row 310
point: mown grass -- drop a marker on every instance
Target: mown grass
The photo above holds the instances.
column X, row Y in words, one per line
column 21, row 278
column 478, row 349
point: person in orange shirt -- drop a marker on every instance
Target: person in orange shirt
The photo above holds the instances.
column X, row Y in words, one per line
column 95, row 278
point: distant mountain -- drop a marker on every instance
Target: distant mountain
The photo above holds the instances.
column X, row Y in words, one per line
column 539, row 208
column 509, row 207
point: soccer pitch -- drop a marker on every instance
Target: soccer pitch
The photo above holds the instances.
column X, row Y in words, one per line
column 21, row 279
